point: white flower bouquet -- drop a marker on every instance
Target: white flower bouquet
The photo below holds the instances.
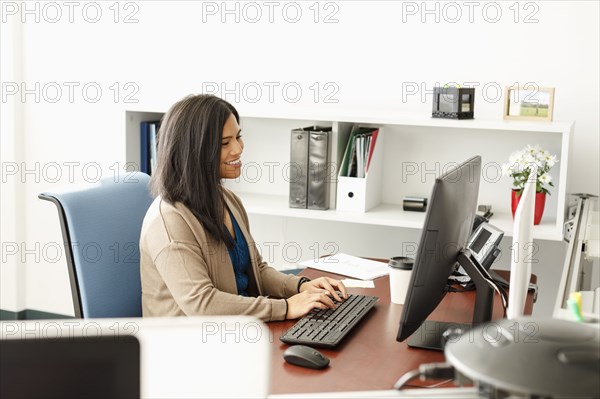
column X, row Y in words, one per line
column 521, row 162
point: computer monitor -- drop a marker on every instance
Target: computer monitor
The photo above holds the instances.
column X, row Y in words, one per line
column 442, row 248
column 70, row 367
column 522, row 248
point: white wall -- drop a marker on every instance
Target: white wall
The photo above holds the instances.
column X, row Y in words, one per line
column 12, row 282
column 372, row 54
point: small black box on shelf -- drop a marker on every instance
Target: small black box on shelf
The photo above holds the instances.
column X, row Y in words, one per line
column 414, row 204
column 453, row 103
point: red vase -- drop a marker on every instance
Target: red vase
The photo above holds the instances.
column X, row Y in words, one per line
column 540, row 203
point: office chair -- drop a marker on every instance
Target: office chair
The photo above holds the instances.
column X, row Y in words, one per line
column 101, row 232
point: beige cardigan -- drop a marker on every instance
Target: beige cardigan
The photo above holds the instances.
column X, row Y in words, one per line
column 186, row 272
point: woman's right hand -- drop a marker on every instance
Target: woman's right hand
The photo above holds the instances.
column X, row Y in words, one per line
column 302, row 303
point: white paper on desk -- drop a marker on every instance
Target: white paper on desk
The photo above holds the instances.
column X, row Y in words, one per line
column 348, row 265
column 352, row 283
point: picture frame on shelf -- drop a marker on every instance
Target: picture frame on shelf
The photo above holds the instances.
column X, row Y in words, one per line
column 529, row 103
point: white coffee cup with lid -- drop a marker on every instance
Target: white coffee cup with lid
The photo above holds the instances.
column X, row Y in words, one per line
column 400, row 272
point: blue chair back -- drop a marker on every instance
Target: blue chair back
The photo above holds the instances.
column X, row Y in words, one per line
column 101, row 231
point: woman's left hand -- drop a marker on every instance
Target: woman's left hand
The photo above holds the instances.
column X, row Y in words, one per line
column 325, row 285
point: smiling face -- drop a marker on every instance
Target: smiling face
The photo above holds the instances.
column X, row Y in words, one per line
column 232, row 147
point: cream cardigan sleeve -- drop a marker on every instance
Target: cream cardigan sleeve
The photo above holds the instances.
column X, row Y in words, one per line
column 183, row 272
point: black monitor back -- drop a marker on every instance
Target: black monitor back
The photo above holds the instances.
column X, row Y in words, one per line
column 73, row 367
column 448, row 224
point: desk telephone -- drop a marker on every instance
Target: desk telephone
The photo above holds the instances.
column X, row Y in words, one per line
column 484, row 244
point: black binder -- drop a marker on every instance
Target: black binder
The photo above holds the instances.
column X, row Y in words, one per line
column 298, row 169
column 309, row 159
column 318, row 157
column 148, row 136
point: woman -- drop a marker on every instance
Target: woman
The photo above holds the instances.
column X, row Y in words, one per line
column 197, row 254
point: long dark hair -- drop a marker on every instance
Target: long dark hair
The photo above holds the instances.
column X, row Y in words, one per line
column 189, row 154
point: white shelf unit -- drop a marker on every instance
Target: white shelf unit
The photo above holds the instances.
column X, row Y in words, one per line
column 416, row 150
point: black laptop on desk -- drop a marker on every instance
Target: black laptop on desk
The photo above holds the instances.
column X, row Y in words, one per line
column 70, row 367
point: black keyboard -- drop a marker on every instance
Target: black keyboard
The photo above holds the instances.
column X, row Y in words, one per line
column 327, row 327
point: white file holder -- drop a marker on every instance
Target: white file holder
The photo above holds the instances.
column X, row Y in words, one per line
column 357, row 194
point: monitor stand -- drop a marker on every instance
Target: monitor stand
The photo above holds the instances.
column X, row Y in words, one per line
column 430, row 335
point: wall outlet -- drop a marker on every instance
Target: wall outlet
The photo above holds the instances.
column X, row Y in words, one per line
column 568, row 230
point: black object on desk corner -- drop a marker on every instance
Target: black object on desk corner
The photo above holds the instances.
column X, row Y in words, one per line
column 305, row 356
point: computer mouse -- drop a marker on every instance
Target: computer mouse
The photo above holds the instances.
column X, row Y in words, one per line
column 305, row 356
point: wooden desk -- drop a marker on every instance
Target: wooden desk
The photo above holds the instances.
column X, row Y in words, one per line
column 369, row 357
